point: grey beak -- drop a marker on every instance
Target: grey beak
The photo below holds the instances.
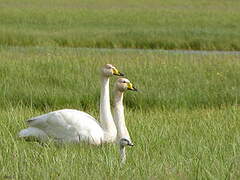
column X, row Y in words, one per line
column 130, row 144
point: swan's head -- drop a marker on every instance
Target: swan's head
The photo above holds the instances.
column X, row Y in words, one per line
column 125, row 142
column 109, row 70
column 124, row 84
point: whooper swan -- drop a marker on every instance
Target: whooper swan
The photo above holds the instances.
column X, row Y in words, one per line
column 123, row 137
column 69, row 125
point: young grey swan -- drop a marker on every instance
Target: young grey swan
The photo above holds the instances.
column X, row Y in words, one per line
column 123, row 137
column 69, row 125
column 123, row 143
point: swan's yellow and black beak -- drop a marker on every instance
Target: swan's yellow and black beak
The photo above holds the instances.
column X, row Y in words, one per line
column 131, row 87
column 116, row 72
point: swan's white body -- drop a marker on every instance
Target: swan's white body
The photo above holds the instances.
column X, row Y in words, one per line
column 66, row 125
column 70, row 125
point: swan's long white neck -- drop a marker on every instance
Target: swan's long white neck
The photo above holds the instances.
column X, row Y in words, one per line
column 119, row 119
column 106, row 118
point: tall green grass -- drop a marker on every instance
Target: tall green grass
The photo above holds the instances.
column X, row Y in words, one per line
column 53, row 77
column 151, row 24
column 198, row 144
column 184, row 121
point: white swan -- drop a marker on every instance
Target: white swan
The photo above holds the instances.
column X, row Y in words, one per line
column 69, row 125
column 123, row 137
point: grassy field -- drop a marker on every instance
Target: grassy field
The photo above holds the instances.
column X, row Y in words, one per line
column 184, row 121
column 171, row 24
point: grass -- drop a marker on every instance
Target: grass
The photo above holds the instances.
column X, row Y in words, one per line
column 190, row 81
column 172, row 24
column 184, row 121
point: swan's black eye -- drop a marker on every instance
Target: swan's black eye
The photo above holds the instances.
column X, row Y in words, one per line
column 124, row 82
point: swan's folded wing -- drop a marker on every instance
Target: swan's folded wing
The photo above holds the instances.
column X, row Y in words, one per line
column 54, row 125
column 68, row 125
column 86, row 126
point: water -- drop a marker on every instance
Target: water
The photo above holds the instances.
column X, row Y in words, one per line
column 203, row 52
column 162, row 51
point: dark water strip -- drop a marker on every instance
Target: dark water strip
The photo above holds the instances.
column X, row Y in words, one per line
column 162, row 51
column 203, row 52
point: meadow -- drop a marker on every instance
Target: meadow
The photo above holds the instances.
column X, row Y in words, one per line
column 184, row 120
column 171, row 24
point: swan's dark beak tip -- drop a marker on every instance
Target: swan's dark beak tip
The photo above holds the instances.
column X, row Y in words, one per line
column 131, row 144
column 121, row 74
column 133, row 89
